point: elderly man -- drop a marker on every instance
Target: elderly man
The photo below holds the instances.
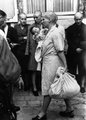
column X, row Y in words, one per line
column 76, row 55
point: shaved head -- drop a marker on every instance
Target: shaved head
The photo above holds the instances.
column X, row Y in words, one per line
column 38, row 13
column 22, row 18
column 22, row 15
column 78, row 15
column 38, row 16
column 78, row 18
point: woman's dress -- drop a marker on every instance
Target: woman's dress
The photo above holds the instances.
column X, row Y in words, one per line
column 52, row 45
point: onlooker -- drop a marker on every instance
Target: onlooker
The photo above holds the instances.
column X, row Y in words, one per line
column 31, row 48
column 76, row 55
column 22, row 29
column 52, row 58
column 5, row 53
column 11, row 35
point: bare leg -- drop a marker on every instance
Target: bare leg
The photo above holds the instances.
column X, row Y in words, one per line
column 35, row 92
column 34, row 81
column 83, row 79
column 46, row 102
column 83, row 82
column 69, row 109
column 68, row 105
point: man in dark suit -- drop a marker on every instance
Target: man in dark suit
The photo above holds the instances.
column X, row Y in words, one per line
column 76, row 55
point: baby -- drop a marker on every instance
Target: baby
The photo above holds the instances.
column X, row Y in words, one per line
column 39, row 36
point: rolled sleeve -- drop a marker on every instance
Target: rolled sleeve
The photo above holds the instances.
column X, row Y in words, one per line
column 58, row 42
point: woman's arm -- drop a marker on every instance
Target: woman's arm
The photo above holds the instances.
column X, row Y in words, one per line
column 62, row 58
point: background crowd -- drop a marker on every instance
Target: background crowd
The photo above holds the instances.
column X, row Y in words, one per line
column 58, row 47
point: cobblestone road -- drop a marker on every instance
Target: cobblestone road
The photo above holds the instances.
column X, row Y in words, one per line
column 30, row 106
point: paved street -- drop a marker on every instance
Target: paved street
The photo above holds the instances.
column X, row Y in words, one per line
column 30, row 106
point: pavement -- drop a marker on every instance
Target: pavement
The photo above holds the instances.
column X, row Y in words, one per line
column 31, row 105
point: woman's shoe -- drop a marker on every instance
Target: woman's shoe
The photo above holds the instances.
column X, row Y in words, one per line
column 35, row 93
column 82, row 90
column 15, row 108
column 67, row 114
column 38, row 118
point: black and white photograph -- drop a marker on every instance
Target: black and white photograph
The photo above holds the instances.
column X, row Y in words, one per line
column 42, row 59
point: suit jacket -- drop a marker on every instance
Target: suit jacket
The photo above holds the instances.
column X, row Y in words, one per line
column 76, row 37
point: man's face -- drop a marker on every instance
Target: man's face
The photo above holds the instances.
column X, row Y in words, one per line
column 22, row 19
column 37, row 17
column 2, row 21
column 78, row 21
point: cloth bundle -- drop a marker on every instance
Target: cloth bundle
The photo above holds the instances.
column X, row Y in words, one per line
column 64, row 85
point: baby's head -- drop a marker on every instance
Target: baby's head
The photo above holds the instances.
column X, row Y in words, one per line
column 35, row 30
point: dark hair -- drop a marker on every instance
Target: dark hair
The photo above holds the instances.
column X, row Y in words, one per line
column 2, row 13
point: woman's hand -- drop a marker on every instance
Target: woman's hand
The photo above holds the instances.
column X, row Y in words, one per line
column 61, row 70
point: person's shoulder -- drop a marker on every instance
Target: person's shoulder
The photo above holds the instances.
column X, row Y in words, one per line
column 84, row 25
column 16, row 25
column 30, row 26
column 55, row 31
column 11, row 28
column 70, row 27
column 60, row 26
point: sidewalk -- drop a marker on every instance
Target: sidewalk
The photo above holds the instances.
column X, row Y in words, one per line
column 31, row 105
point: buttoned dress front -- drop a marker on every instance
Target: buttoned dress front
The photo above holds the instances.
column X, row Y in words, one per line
column 52, row 45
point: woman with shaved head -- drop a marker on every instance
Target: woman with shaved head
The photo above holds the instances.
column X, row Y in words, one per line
column 52, row 58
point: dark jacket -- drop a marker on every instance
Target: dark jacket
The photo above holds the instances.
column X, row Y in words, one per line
column 12, row 34
column 76, row 37
column 30, row 48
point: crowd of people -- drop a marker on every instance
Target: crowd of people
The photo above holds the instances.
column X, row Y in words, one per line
column 42, row 47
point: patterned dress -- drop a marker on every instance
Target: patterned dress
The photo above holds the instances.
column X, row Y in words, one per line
column 52, row 44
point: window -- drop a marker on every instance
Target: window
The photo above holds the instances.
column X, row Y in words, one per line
column 10, row 7
column 61, row 7
column 29, row 6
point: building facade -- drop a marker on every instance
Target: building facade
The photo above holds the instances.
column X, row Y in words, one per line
column 65, row 9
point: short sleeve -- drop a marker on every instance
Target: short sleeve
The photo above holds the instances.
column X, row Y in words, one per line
column 58, row 41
